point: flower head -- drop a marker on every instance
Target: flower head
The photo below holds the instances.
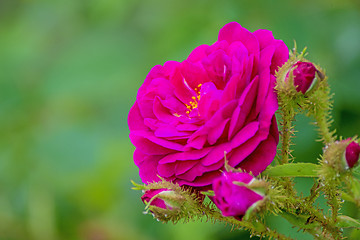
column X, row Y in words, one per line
column 232, row 198
column 220, row 99
column 352, row 153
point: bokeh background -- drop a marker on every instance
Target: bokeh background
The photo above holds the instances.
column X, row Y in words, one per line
column 69, row 72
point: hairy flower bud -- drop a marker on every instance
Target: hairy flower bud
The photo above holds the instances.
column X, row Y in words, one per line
column 304, row 76
column 156, row 197
column 234, row 195
column 352, row 153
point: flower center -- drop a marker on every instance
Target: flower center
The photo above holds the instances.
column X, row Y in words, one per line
column 194, row 103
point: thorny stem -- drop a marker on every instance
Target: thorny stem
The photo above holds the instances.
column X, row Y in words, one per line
column 333, row 197
column 287, row 117
column 323, row 125
column 256, row 227
column 286, row 133
column 330, row 181
column 287, row 184
column 328, row 227
column 308, row 218
column 314, row 193
column 319, row 106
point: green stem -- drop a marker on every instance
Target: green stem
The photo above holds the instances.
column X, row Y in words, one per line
column 323, row 125
column 332, row 176
column 319, row 106
column 314, row 193
column 331, row 189
column 287, row 114
column 328, row 226
column 256, row 227
column 301, row 213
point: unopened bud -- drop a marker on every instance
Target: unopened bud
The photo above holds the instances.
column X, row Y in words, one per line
column 159, row 198
column 304, row 76
column 234, row 194
column 352, row 153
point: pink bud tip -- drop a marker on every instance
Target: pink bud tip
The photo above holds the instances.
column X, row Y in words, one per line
column 304, row 75
column 150, row 195
column 231, row 199
column 352, row 154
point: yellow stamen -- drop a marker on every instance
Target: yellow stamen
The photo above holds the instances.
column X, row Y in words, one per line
column 194, row 104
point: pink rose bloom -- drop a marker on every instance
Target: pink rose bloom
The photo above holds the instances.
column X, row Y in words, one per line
column 231, row 199
column 220, row 99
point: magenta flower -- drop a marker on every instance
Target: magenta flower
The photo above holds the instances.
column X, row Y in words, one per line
column 304, row 76
column 352, row 153
column 220, row 99
column 151, row 196
column 231, row 199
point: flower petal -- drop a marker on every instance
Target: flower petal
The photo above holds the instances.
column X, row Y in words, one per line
column 233, row 31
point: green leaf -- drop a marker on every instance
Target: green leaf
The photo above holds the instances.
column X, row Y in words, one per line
column 347, row 197
column 355, row 188
column 347, row 222
column 293, row 170
column 356, row 171
column 301, row 221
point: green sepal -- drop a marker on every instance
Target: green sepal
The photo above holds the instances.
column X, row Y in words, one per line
column 252, row 209
column 172, row 199
column 138, row 186
column 258, row 226
column 293, row 170
column 257, row 186
column 209, row 193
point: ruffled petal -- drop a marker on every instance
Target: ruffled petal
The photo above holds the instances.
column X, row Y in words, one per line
column 261, row 157
column 233, row 32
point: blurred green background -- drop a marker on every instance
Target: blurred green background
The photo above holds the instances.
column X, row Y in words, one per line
column 69, row 72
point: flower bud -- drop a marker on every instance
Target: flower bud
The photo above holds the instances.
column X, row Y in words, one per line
column 352, row 153
column 234, row 195
column 304, row 76
column 153, row 197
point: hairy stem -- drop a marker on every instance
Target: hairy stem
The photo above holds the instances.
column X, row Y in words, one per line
column 324, row 129
column 330, row 187
column 326, row 228
column 319, row 106
column 287, row 115
column 256, row 227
